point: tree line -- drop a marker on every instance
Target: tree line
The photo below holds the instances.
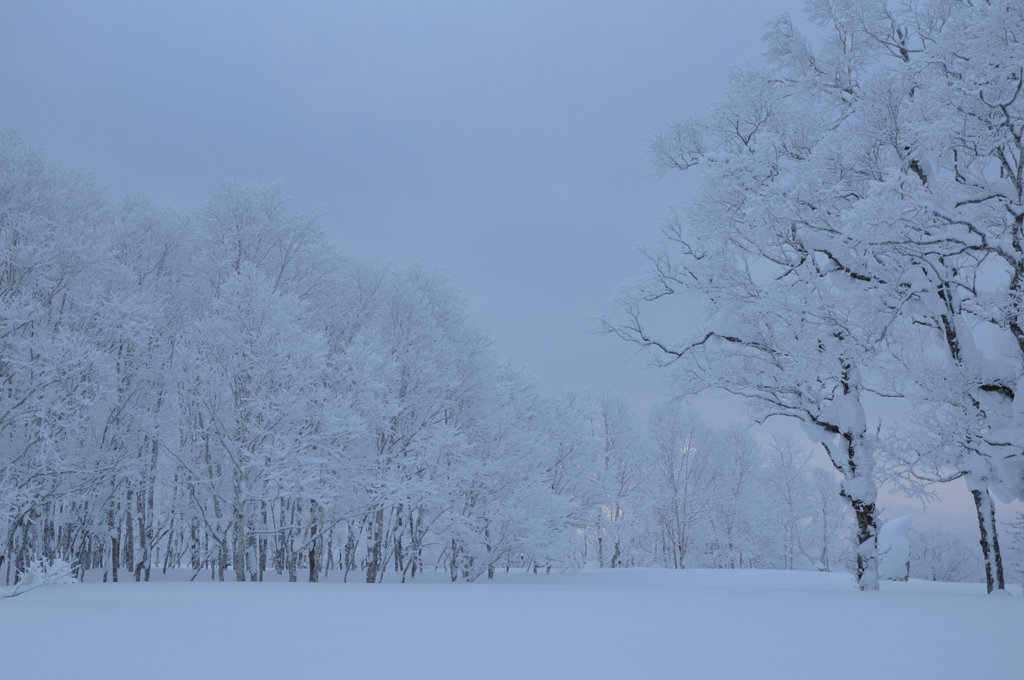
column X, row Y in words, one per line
column 221, row 391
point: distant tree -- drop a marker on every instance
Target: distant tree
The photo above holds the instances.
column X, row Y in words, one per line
column 1016, row 550
column 938, row 555
column 828, row 533
column 786, row 486
column 734, row 525
column 620, row 476
column 685, row 478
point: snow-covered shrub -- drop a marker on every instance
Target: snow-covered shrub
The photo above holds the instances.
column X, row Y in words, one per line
column 41, row 572
column 894, row 549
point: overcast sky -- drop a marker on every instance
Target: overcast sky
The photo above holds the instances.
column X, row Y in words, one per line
column 502, row 141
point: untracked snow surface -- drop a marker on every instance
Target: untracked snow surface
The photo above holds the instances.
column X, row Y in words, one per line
column 634, row 623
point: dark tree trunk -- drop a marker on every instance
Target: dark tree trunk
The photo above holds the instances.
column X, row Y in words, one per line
column 989, row 540
column 373, row 562
column 351, row 545
column 239, row 556
column 313, row 569
column 115, row 546
column 867, row 545
column 222, row 561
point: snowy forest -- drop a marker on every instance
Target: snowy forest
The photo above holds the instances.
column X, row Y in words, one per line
column 224, row 392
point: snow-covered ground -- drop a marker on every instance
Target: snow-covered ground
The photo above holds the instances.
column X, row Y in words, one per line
column 634, row 623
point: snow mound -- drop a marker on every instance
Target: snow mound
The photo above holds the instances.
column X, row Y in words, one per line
column 894, row 549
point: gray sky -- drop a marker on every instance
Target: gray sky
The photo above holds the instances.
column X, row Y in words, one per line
column 503, row 141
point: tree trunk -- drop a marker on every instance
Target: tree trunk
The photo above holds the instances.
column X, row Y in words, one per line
column 989, row 540
column 263, row 543
column 115, row 545
column 140, row 507
column 852, row 455
column 453, row 563
column 147, row 511
column 373, row 561
column 314, row 571
column 867, row 543
column 861, row 493
column 351, row 545
column 239, row 557
column 222, row 561
column 129, row 531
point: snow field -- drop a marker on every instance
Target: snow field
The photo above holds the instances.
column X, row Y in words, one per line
column 622, row 624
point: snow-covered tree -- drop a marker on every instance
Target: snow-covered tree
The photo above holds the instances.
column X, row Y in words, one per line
column 854, row 192
column 56, row 375
column 684, row 477
column 787, row 324
column 738, row 511
column 786, row 486
column 830, row 527
column 620, row 476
